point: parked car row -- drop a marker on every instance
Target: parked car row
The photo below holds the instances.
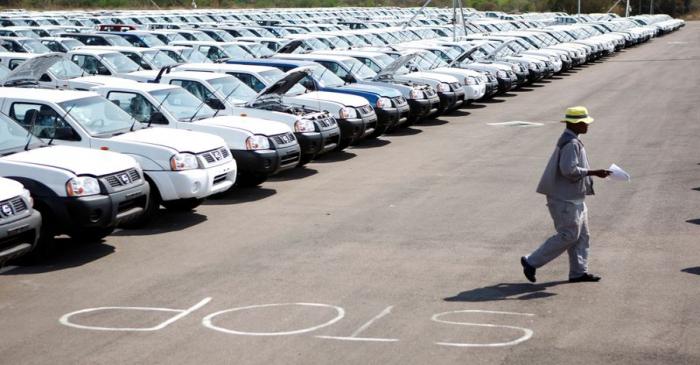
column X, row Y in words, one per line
column 108, row 116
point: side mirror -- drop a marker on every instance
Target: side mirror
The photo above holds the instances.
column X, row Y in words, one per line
column 215, row 104
column 349, row 79
column 65, row 134
column 157, row 118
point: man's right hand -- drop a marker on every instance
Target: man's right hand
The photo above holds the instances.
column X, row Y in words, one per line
column 600, row 173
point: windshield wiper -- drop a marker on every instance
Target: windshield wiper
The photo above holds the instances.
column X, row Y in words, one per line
column 226, row 98
column 201, row 105
column 64, row 118
column 150, row 120
column 29, row 132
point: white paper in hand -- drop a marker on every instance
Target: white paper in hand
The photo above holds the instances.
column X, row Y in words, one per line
column 618, row 173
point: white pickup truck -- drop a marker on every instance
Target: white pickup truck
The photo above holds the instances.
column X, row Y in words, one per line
column 260, row 147
column 80, row 192
column 355, row 116
column 316, row 131
column 182, row 167
column 19, row 222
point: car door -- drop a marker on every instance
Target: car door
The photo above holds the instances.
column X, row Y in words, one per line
column 135, row 105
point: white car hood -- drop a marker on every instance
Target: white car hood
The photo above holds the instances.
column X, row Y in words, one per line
column 435, row 75
column 177, row 139
column 250, row 124
column 81, row 161
column 9, row 189
column 345, row 99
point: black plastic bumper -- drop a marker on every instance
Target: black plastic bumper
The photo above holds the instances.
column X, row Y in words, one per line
column 71, row 215
column 422, row 108
column 504, row 85
column 266, row 161
column 19, row 237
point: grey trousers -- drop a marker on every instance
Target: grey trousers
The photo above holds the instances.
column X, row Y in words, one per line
column 571, row 223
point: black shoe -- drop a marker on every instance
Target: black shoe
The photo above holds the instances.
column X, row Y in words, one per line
column 585, row 278
column 528, row 270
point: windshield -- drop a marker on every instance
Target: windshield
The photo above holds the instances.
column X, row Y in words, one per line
column 66, row 70
column 259, row 50
column 34, row 46
column 120, row 63
column 232, row 89
column 118, row 41
column 383, row 60
column 13, row 137
column 234, row 51
column 26, row 33
column 71, row 43
column 182, row 105
column 325, row 77
column 151, row 40
column 316, row 44
column 194, row 56
column 272, row 76
column 359, row 69
column 158, row 59
column 98, row 116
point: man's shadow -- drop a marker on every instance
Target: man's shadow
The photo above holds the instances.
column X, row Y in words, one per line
column 506, row 291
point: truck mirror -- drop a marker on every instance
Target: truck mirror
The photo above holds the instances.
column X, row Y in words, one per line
column 65, row 134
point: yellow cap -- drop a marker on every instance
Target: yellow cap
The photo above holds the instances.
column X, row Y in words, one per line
column 577, row 114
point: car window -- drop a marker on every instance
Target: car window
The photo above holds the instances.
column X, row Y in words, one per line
column 14, row 63
column 213, row 53
column 250, row 80
column 90, row 64
column 53, row 46
column 40, row 119
column 134, row 104
column 195, row 88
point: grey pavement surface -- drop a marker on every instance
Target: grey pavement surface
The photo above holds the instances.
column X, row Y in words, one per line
column 427, row 221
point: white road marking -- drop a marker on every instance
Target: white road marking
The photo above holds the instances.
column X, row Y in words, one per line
column 353, row 336
column 7, row 268
column 527, row 333
column 207, row 321
column 65, row 319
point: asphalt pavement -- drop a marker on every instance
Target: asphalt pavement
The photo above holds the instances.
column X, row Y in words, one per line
column 406, row 250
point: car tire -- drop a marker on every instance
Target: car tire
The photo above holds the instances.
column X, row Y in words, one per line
column 251, row 179
column 182, row 205
column 150, row 211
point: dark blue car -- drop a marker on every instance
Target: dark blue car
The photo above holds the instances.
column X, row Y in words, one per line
column 385, row 100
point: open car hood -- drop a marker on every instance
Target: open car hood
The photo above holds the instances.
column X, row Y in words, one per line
column 393, row 67
column 283, row 85
column 32, row 69
column 459, row 59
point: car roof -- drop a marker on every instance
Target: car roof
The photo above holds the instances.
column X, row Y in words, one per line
column 228, row 67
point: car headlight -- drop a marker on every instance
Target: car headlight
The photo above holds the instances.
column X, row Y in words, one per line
column 346, row 113
column 383, row 103
column 304, row 125
column 532, row 66
column 82, row 186
column 553, row 59
column 502, row 74
column 515, row 68
column 443, row 87
column 257, row 142
column 470, row 81
column 415, row 94
column 183, row 161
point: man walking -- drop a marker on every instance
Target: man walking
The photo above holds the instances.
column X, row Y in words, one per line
column 566, row 182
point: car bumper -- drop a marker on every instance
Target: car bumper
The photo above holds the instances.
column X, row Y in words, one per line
column 504, row 85
column 450, row 100
column 195, row 183
column 357, row 128
column 473, row 92
column 421, row 108
column 19, row 237
column 392, row 117
column 267, row 161
column 317, row 143
column 71, row 215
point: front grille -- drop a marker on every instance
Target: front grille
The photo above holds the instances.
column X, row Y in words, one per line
column 284, row 138
column 138, row 202
column 429, row 92
column 455, row 86
column 399, row 100
column 289, row 159
column 11, row 207
column 491, row 77
column 365, row 109
column 216, row 155
column 326, row 122
column 123, row 178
